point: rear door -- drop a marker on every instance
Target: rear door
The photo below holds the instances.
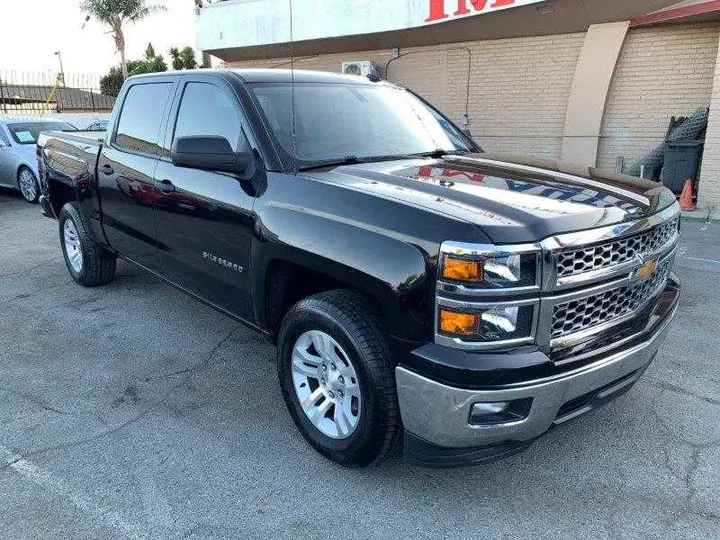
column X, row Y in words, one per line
column 126, row 167
column 204, row 218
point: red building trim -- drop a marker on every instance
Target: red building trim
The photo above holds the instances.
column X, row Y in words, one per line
column 677, row 13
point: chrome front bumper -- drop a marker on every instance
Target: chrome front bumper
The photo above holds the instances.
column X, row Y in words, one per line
column 440, row 415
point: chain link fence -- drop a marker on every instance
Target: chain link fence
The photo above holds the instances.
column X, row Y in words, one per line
column 37, row 94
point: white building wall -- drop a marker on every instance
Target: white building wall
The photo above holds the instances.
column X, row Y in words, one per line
column 248, row 23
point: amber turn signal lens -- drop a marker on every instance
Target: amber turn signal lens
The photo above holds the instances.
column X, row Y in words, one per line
column 463, row 324
column 462, row 270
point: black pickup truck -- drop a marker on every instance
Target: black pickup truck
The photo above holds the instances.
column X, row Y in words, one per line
column 418, row 289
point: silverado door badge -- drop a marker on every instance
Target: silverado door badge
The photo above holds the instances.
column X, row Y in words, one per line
column 222, row 262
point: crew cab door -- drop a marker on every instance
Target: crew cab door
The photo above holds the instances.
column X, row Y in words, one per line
column 204, row 218
column 126, row 166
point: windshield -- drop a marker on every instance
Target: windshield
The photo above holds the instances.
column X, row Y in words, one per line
column 337, row 121
column 28, row 132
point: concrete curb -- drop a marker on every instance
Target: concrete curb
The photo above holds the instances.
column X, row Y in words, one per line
column 711, row 215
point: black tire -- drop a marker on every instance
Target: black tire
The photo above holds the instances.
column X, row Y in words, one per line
column 349, row 318
column 26, row 170
column 98, row 265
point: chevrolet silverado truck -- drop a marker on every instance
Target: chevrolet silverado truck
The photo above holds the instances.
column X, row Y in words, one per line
column 418, row 289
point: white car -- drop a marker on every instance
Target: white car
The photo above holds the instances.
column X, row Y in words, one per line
column 18, row 162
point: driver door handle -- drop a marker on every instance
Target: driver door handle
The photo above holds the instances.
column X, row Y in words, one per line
column 166, row 186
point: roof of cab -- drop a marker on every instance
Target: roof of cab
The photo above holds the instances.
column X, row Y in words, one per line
column 274, row 76
column 298, row 76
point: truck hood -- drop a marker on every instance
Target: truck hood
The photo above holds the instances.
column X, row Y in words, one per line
column 513, row 199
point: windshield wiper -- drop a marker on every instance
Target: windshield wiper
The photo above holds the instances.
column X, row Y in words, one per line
column 437, row 153
column 347, row 160
column 354, row 160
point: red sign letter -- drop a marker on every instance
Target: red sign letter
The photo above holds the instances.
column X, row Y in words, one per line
column 462, row 9
column 437, row 11
column 437, row 8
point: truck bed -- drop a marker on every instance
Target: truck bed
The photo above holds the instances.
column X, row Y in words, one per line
column 71, row 159
column 77, row 136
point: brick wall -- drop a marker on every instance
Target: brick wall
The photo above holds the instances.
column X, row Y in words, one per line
column 662, row 72
column 709, row 195
column 519, row 88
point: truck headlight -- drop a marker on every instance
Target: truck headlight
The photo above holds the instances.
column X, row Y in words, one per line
column 491, row 268
column 490, row 324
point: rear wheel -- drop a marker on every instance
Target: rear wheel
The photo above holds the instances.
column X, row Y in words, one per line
column 337, row 378
column 89, row 265
column 27, row 184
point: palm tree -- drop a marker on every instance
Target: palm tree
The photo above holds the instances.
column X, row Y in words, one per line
column 116, row 14
column 183, row 59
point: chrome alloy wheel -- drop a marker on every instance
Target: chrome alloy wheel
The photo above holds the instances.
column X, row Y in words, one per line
column 73, row 248
column 326, row 384
column 28, row 186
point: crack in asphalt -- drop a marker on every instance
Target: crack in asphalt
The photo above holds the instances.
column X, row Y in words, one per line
column 25, row 271
column 9, row 462
column 103, row 433
column 37, row 291
column 206, row 361
column 680, row 390
column 39, row 402
column 199, row 366
column 688, row 478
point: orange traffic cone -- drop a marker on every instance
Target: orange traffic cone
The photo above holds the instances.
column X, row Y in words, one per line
column 686, row 201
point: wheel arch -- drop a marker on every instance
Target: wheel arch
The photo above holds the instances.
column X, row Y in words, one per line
column 283, row 276
column 60, row 194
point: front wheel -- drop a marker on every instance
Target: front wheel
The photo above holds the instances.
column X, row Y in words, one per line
column 89, row 264
column 28, row 185
column 337, row 378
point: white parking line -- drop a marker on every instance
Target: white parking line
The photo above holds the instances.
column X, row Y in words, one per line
column 683, row 250
column 701, row 260
column 46, row 481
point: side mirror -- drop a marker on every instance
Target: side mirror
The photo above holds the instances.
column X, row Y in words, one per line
column 212, row 153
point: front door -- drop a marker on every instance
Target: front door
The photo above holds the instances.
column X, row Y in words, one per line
column 125, row 172
column 7, row 163
column 204, row 218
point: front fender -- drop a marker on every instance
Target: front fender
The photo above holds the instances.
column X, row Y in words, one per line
column 392, row 270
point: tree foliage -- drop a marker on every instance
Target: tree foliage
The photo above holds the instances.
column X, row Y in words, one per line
column 152, row 63
column 116, row 14
column 183, row 59
column 111, row 83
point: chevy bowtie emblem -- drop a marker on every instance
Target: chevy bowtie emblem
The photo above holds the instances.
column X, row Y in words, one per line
column 646, row 271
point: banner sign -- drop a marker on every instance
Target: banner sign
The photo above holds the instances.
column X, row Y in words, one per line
column 243, row 23
column 442, row 10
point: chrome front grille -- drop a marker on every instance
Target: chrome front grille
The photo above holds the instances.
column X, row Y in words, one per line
column 608, row 306
column 588, row 283
column 583, row 260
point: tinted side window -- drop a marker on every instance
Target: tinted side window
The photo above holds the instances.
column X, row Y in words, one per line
column 139, row 124
column 207, row 110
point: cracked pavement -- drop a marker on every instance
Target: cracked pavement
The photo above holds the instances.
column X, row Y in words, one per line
column 134, row 411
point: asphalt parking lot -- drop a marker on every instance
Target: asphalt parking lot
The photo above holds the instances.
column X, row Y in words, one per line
column 133, row 411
